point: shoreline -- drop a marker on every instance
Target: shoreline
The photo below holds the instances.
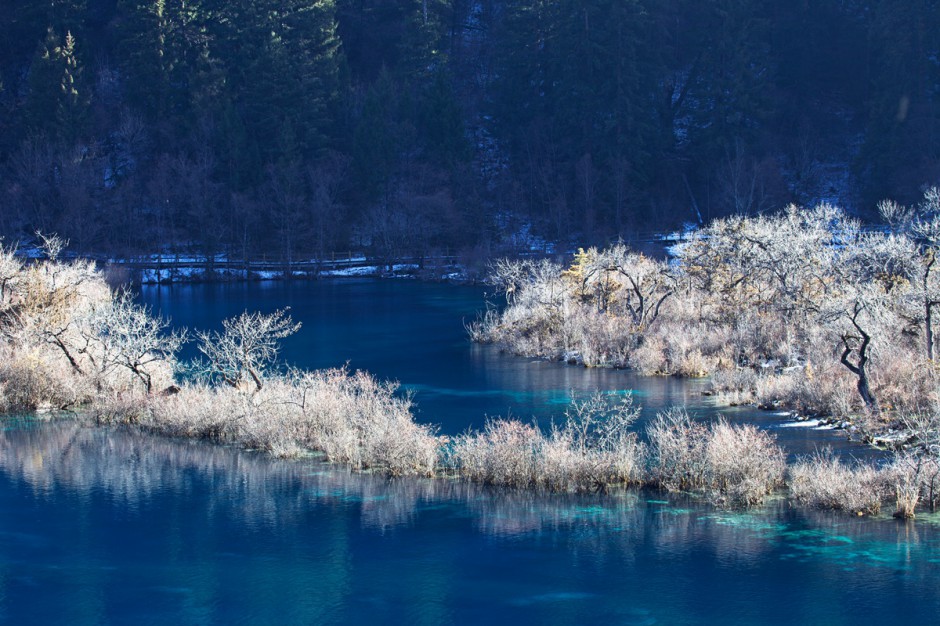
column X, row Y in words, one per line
column 649, row 492
column 167, row 269
column 71, row 342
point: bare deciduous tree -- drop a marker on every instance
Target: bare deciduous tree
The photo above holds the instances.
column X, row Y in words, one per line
column 127, row 335
column 248, row 344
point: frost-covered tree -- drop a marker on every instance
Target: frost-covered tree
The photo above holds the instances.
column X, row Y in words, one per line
column 921, row 224
column 248, row 344
column 121, row 334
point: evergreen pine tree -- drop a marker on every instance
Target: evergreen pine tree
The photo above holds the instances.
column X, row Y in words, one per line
column 59, row 99
column 282, row 64
column 74, row 100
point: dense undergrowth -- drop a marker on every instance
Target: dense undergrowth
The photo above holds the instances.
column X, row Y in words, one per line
column 69, row 342
column 801, row 309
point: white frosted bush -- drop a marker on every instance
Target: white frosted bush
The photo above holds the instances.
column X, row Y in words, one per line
column 823, row 481
column 352, row 418
column 744, row 463
column 735, row 465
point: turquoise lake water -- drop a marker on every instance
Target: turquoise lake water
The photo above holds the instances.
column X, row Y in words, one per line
column 110, row 526
column 413, row 333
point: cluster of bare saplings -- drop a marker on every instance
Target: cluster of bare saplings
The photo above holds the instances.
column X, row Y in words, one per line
column 69, row 342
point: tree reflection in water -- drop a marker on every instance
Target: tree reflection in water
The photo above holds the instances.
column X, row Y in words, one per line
column 133, row 467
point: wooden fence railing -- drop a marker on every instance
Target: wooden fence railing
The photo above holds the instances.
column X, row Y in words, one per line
column 263, row 263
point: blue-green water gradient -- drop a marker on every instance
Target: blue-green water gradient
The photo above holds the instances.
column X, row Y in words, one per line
column 114, row 526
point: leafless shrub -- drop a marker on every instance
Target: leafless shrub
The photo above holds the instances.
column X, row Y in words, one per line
column 928, row 479
column 30, row 383
column 484, row 328
column 599, row 429
column 678, row 444
column 904, row 476
column 593, row 449
column 735, row 465
column 120, row 407
column 734, row 380
column 825, row 388
column 692, row 364
column 904, row 383
column 352, row 418
column 734, row 386
column 824, row 481
column 782, row 388
column 649, row 358
column 120, row 334
column 916, row 466
column 744, row 463
column 248, row 344
column 505, row 453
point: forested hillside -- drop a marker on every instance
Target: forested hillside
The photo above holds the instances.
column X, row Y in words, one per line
column 295, row 127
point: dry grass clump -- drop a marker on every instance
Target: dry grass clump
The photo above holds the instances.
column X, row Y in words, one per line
column 512, row 454
column 905, row 384
column 743, row 463
column 599, row 339
column 735, row 465
column 678, row 451
column 124, row 407
column 734, row 386
column 30, row 383
column 822, row 389
column 505, row 453
column 647, row 357
column 734, row 380
column 696, row 349
column 775, row 389
column 914, row 478
column 824, row 481
column 594, row 449
column 352, row 418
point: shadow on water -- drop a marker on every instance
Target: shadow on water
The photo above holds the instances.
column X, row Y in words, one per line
column 103, row 524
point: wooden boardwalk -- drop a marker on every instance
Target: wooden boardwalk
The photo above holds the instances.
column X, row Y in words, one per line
column 185, row 264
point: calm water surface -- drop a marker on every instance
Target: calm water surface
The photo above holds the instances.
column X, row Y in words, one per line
column 414, row 333
column 108, row 526
column 105, row 526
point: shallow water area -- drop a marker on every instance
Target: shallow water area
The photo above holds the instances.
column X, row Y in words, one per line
column 110, row 526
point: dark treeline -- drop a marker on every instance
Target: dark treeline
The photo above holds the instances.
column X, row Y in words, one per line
column 303, row 126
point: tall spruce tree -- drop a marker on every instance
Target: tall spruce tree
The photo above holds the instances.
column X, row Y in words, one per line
column 59, row 97
column 282, row 68
column 166, row 59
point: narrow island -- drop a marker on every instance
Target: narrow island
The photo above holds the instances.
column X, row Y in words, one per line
column 784, row 310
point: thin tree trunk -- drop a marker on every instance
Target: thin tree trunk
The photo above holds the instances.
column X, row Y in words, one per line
column 860, row 370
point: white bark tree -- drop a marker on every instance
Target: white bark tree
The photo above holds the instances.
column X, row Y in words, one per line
column 248, row 345
column 123, row 334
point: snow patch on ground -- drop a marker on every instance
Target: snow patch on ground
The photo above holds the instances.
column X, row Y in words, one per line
column 365, row 270
column 814, row 424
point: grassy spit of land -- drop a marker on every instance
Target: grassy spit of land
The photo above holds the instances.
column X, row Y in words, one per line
column 69, row 342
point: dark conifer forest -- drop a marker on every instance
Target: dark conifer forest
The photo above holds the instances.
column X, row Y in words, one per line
column 301, row 127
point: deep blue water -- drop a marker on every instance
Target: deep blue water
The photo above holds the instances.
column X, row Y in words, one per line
column 102, row 526
column 414, row 333
column 109, row 526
